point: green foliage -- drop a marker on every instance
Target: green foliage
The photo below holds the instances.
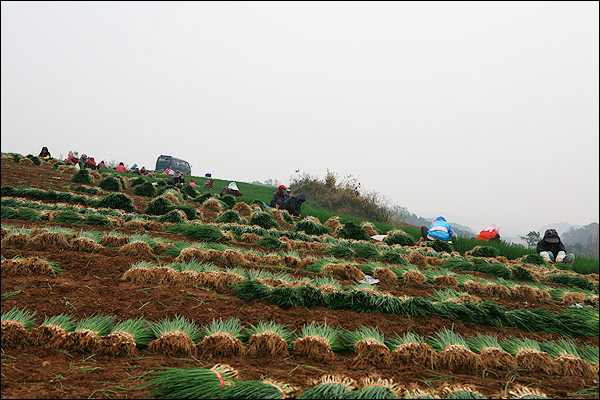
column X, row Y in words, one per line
column 117, row 200
column 394, row 256
column 190, row 211
column 16, row 158
column 340, row 251
column 58, row 164
column 575, row 281
column 172, row 216
column 264, row 220
column 82, row 176
column 522, row 274
column 365, row 250
column 29, row 214
column 485, row 251
column 207, row 233
column 68, row 217
column 401, row 239
column 203, row 197
column 269, row 241
column 440, row 246
column 34, row 159
column 9, row 213
column 138, row 181
column 97, row 219
column 352, row 230
column 310, row 227
column 144, row 189
column 229, row 216
column 229, row 200
column 534, row 259
column 110, row 183
column 189, row 190
column 80, row 188
column 159, row 206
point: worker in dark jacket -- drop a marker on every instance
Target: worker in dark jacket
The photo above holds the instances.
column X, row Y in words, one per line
column 281, row 194
column 293, row 204
column 552, row 249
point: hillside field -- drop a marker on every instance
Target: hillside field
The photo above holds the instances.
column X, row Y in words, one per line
column 64, row 260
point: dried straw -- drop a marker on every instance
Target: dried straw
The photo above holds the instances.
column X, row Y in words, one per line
column 85, row 244
column 136, row 248
column 173, row 344
column 343, row 271
column 220, row 344
column 17, row 240
column 267, row 343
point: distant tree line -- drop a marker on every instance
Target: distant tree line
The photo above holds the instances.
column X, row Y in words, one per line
column 582, row 241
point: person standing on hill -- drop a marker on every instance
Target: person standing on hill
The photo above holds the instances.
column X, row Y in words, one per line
column 552, row 249
column 439, row 229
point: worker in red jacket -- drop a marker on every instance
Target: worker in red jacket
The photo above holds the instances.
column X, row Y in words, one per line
column 490, row 233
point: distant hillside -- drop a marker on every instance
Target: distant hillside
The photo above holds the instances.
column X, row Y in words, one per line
column 560, row 227
column 582, row 241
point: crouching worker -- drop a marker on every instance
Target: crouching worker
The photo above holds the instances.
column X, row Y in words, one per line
column 293, row 204
column 552, row 249
column 231, row 189
column 439, row 229
column 490, row 234
column 281, row 194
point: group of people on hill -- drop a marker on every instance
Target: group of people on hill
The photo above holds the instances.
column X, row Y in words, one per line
column 74, row 159
column 551, row 248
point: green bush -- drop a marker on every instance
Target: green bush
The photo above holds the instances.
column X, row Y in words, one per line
column 82, row 176
column 145, row 189
column 269, row 241
column 189, row 190
column 137, row 181
column 190, row 211
column 36, row 160
column 110, row 183
column 159, row 206
column 340, row 251
column 85, row 189
column 172, row 216
column 16, row 158
column 401, row 239
column 202, row 198
column 365, row 250
column 117, row 200
column 57, row 164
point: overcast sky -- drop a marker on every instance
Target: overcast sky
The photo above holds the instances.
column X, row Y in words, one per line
column 487, row 110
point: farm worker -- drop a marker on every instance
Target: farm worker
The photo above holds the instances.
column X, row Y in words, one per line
column 281, row 194
column 209, row 184
column 292, row 205
column 73, row 158
column 552, row 249
column 101, row 164
column 439, row 229
column 231, row 189
column 192, row 183
column 121, row 167
column 133, row 167
column 45, row 154
column 490, row 233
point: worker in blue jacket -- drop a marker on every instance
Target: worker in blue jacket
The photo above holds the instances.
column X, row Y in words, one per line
column 439, row 229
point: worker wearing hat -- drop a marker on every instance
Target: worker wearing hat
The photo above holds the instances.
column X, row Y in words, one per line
column 552, row 249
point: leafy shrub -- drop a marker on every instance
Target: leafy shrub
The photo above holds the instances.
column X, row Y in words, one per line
column 145, row 189
column 440, row 246
column 401, row 239
column 485, row 251
column 229, row 216
column 117, row 200
column 110, row 183
column 82, row 176
column 159, row 206
column 310, row 227
column 264, row 220
column 352, row 230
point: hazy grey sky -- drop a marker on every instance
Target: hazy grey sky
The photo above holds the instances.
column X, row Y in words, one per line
column 486, row 110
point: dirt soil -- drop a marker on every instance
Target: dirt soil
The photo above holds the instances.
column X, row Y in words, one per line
column 91, row 283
